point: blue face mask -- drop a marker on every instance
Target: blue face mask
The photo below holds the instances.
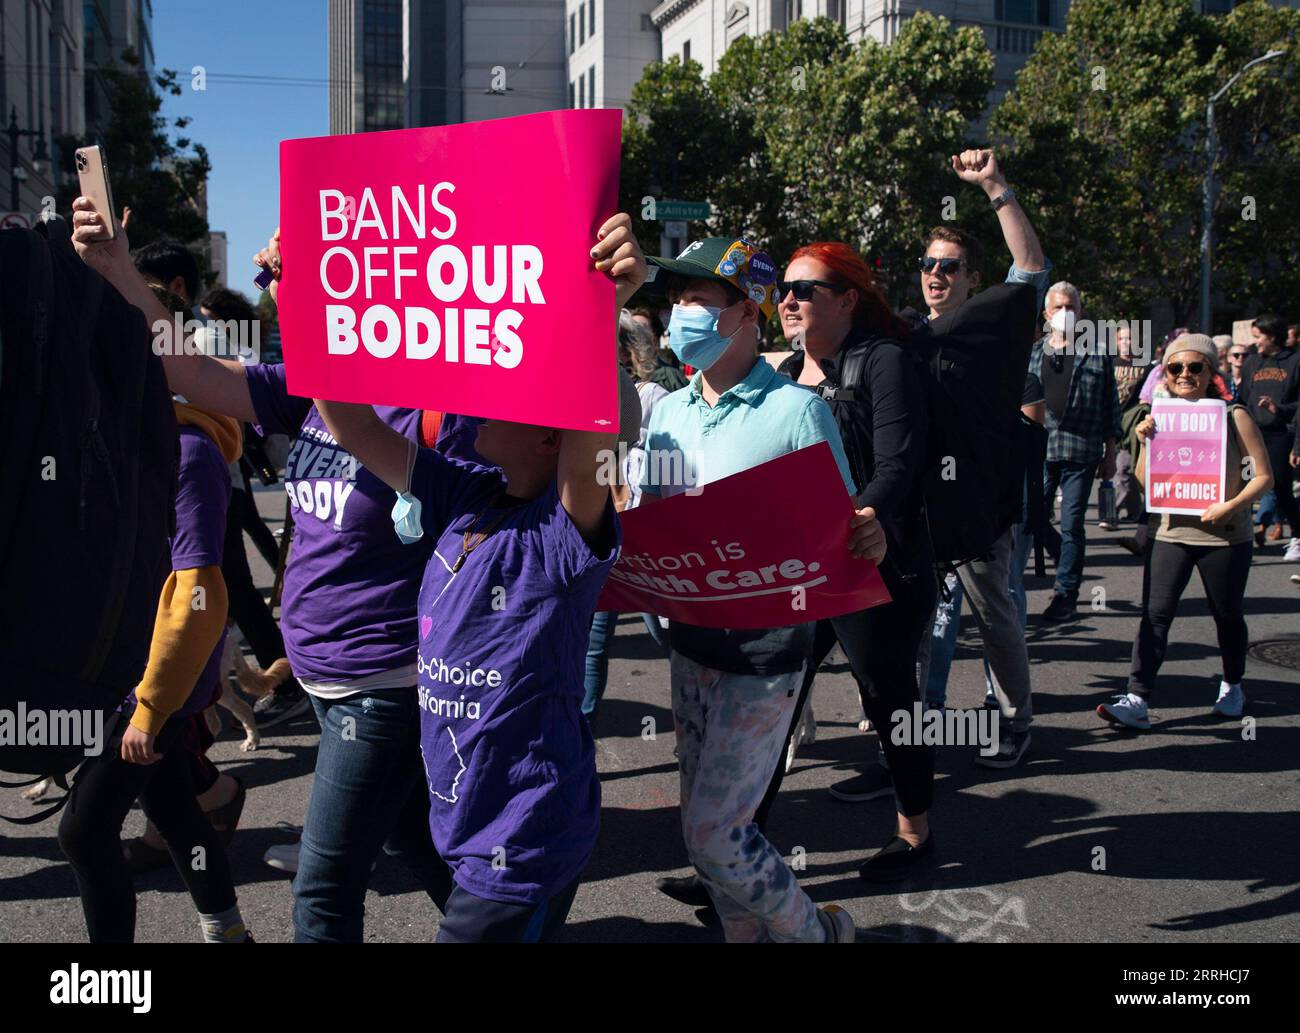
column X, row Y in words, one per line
column 406, row 518
column 406, row 510
column 693, row 331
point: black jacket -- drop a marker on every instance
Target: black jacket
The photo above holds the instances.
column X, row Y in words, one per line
column 883, row 428
column 1276, row 376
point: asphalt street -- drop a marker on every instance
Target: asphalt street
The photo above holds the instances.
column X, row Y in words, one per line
column 1188, row 833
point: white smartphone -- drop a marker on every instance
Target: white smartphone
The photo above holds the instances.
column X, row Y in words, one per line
column 92, row 171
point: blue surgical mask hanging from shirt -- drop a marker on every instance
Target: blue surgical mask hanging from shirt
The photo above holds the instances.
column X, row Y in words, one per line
column 693, row 331
column 406, row 510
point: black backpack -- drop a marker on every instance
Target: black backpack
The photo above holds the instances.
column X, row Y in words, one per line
column 88, row 460
column 972, row 363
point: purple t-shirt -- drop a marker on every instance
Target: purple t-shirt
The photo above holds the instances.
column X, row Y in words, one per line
column 350, row 585
column 511, row 765
column 202, row 497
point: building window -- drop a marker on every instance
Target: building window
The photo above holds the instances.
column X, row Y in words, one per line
column 591, row 18
column 591, row 85
column 582, row 91
column 573, row 36
column 838, row 11
column 382, row 65
column 1026, row 12
column 647, row 23
column 571, row 93
column 793, row 11
column 686, row 51
column 582, row 23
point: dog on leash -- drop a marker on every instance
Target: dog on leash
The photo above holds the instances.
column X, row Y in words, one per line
column 240, row 674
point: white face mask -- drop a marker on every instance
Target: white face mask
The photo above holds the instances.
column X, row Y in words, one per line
column 1063, row 321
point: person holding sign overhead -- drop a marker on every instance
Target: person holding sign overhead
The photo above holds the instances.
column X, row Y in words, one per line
column 347, row 613
column 1217, row 542
column 519, row 553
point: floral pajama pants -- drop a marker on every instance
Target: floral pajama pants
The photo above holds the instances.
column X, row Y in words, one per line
column 730, row 736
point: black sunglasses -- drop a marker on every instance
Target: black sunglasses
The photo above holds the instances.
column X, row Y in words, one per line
column 946, row 265
column 803, row 289
column 1194, row 368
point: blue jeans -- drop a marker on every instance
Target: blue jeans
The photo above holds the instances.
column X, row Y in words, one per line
column 1267, row 515
column 1075, row 482
column 603, row 624
column 947, row 621
column 368, row 794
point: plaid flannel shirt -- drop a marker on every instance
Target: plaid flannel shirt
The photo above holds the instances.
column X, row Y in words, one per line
column 1091, row 409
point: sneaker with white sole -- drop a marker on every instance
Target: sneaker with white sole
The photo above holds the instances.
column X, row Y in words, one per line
column 283, row 856
column 1292, row 554
column 280, row 707
column 1011, row 748
column 838, row 924
column 1129, row 709
column 1231, row 700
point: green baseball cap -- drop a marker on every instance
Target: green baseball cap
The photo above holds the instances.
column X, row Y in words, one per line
column 738, row 262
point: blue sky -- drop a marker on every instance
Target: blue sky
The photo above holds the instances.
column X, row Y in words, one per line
column 242, row 123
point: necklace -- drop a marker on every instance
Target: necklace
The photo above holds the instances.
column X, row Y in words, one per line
column 473, row 538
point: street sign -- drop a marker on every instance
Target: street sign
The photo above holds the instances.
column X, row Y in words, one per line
column 12, row 220
column 675, row 230
column 682, row 210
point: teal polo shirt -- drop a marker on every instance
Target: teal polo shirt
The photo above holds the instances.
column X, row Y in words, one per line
column 765, row 416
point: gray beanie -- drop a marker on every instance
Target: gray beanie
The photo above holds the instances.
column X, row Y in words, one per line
column 1198, row 343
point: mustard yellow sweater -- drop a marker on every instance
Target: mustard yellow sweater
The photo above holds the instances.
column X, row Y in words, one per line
column 184, row 637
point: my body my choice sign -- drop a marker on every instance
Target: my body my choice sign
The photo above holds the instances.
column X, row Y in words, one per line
column 1187, row 459
column 449, row 268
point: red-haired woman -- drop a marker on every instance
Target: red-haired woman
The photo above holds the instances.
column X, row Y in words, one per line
column 829, row 302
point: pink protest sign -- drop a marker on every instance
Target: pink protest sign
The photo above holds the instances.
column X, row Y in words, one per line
column 1186, row 460
column 449, row 268
column 719, row 559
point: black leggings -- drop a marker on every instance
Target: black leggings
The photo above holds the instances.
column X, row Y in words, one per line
column 881, row 645
column 89, row 831
column 1279, row 448
column 1223, row 570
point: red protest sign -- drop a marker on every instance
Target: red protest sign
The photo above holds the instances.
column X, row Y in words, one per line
column 449, row 268
column 715, row 558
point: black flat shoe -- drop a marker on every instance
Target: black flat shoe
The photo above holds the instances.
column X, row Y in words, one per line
column 896, row 860
column 688, row 890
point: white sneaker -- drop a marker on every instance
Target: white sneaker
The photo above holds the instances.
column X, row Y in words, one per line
column 283, row 856
column 1231, row 700
column 1292, row 554
column 804, row 734
column 1295, row 579
column 1129, row 709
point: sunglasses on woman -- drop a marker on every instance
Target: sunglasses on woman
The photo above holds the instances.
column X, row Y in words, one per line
column 1194, row 368
column 803, row 289
column 946, row 265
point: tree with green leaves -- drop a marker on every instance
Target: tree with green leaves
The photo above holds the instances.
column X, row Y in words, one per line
column 801, row 136
column 154, row 169
column 1106, row 128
